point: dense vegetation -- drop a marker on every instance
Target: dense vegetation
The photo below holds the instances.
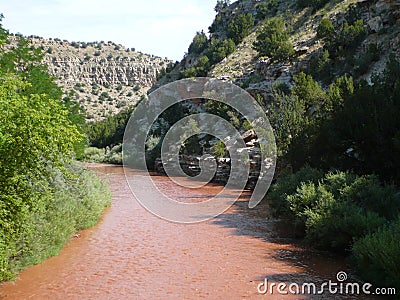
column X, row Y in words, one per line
column 348, row 198
column 273, row 40
column 44, row 195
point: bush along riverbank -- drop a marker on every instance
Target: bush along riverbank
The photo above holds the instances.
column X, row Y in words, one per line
column 45, row 196
column 70, row 200
column 344, row 213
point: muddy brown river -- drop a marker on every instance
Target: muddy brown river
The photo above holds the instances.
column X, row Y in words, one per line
column 132, row 254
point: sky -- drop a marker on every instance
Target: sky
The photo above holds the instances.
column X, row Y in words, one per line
column 160, row 27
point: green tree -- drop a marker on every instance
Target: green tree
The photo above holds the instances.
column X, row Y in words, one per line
column 221, row 5
column 288, row 118
column 239, row 27
column 363, row 135
column 39, row 134
column 266, row 8
column 352, row 35
column 110, row 131
column 325, row 29
column 309, row 91
column 273, row 41
column 199, row 43
column 218, row 50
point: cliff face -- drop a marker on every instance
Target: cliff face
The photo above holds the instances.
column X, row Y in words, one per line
column 104, row 78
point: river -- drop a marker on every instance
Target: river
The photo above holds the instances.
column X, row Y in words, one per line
column 132, row 254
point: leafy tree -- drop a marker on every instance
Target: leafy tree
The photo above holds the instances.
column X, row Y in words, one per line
column 110, row 131
column 199, row 43
column 38, row 134
column 273, row 41
column 345, row 41
column 363, row 135
column 287, row 115
column 352, row 35
column 309, row 91
column 325, row 29
column 266, row 8
column 218, row 50
column 341, row 89
column 239, row 27
column 221, row 5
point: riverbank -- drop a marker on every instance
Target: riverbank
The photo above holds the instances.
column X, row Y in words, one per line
column 75, row 199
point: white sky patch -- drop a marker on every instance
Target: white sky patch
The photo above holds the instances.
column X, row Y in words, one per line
column 159, row 27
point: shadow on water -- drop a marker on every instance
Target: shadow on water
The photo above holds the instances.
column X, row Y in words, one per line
column 315, row 266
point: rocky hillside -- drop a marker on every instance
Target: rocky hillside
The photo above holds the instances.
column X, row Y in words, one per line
column 103, row 77
column 258, row 73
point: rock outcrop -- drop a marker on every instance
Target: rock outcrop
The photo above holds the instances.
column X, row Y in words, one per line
column 191, row 164
column 104, row 78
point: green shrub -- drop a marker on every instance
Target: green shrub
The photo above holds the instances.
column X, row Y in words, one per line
column 114, row 156
column 352, row 35
column 335, row 210
column 219, row 149
column 199, row 43
column 287, row 185
column 219, row 49
column 309, row 90
column 377, row 256
column 368, row 193
column 266, row 8
column 325, row 29
column 93, row 154
column 72, row 201
column 273, row 41
column 200, row 69
column 107, row 155
column 347, row 39
column 334, row 224
column 239, row 27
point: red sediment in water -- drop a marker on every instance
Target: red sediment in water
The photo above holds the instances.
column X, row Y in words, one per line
column 132, row 254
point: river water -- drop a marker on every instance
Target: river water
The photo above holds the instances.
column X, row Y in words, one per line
column 132, row 254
